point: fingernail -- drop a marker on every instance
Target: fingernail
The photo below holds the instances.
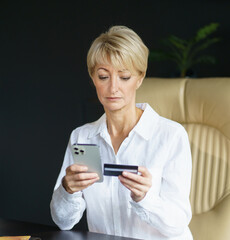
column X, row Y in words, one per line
column 125, row 174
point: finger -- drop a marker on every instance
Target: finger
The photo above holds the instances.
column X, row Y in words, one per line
column 84, row 176
column 131, row 185
column 80, row 185
column 134, row 177
column 75, row 168
column 144, row 171
column 136, row 194
column 83, row 184
column 77, row 177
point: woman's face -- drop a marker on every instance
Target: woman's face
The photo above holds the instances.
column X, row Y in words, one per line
column 116, row 89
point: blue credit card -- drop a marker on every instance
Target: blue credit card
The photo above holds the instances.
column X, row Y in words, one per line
column 117, row 169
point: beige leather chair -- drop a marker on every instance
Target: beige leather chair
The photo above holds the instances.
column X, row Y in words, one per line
column 202, row 106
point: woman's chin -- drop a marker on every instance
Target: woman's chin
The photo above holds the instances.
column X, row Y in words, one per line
column 113, row 107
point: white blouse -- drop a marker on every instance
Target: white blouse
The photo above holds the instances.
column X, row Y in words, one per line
column 157, row 143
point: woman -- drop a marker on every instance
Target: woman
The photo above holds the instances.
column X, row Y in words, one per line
column 153, row 204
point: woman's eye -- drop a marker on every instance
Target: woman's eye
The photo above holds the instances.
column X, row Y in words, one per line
column 102, row 77
column 125, row 78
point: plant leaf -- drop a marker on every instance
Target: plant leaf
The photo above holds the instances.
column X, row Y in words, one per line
column 205, row 59
column 207, row 43
column 177, row 42
column 203, row 32
column 158, row 55
column 203, row 46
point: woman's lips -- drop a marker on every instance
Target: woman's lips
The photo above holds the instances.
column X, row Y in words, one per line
column 113, row 98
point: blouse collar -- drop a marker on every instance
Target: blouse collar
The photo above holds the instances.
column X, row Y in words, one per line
column 144, row 127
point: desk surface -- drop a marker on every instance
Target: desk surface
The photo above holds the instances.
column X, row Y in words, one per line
column 76, row 235
column 17, row 228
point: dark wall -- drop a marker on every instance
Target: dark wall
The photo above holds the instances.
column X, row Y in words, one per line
column 45, row 91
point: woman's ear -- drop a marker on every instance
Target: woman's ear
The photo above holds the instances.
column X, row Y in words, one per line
column 140, row 80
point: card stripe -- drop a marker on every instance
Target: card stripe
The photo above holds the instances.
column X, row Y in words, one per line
column 120, row 170
column 117, row 169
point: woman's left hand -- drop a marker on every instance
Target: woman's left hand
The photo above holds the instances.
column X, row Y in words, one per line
column 139, row 185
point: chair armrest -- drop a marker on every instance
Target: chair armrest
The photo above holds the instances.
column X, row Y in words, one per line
column 214, row 224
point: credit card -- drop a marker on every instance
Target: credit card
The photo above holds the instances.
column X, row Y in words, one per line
column 117, row 169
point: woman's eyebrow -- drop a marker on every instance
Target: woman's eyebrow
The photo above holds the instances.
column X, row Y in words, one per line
column 101, row 68
column 120, row 71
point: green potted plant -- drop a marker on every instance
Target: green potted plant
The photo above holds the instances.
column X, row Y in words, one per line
column 187, row 53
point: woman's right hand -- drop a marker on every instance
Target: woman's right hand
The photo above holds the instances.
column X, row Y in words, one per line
column 77, row 178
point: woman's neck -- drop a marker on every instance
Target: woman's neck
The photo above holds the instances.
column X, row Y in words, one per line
column 120, row 123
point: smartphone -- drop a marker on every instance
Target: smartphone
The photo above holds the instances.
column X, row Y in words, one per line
column 88, row 155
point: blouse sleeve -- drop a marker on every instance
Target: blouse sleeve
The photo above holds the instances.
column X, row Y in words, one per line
column 66, row 209
column 169, row 210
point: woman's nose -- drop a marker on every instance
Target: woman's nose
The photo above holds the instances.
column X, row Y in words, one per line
column 114, row 84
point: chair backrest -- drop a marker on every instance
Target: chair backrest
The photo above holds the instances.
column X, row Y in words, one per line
column 202, row 106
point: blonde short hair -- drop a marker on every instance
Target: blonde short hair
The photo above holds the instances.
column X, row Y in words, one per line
column 121, row 47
